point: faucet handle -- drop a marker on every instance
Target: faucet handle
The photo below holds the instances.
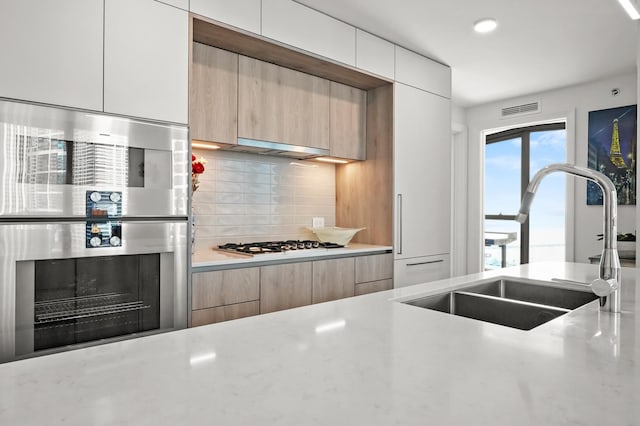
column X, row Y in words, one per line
column 603, row 288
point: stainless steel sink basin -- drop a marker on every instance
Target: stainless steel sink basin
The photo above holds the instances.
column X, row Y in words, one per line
column 507, row 302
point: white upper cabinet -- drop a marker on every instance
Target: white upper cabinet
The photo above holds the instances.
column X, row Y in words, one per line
column 423, row 73
column 146, row 60
column 182, row 4
column 243, row 14
column 374, row 54
column 52, row 52
column 300, row 26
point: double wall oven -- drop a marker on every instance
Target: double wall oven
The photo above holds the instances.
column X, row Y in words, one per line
column 93, row 228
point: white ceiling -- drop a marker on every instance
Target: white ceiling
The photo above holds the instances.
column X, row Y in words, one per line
column 539, row 44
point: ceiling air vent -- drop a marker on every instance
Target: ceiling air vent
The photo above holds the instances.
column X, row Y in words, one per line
column 521, row 109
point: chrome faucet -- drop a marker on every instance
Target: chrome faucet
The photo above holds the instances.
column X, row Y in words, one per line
column 607, row 285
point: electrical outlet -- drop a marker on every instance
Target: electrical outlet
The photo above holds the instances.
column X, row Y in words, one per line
column 318, row 222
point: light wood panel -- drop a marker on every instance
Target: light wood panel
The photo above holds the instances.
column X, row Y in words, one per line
column 373, row 286
column 225, row 37
column 281, row 105
column 333, row 279
column 364, row 190
column 213, row 102
column 373, row 268
column 348, row 108
column 224, row 313
column 285, row 286
column 210, row 289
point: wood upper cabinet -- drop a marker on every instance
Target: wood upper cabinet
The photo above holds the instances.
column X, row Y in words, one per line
column 213, row 104
column 333, row 279
column 285, row 286
column 52, row 52
column 348, row 121
column 278, row 104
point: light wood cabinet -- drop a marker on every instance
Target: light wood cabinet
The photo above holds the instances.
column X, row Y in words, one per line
column 373, row 273
column 243, row 14
column 373, row 287
column 52, row 52
column 285, row 286
column 308, row 29
column 333, row 279
column 216, row 288
column 146, row 60
column 224, row 313
column 281, row 105
column 348, row 107
column 374, row 267
column 213, row 104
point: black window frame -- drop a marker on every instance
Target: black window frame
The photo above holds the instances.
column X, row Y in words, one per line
column 524, row 133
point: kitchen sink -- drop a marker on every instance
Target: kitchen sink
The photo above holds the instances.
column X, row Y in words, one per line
column 508, row 302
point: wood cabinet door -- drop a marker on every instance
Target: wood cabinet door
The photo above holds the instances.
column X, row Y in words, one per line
column 285, row 286
column 374, row 267
column 217, row 288
column 213, row 105
column 333, row 279
column 348, row 121
column 277, row 104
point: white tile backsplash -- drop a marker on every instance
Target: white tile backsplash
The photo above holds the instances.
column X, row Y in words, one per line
column 248, row 197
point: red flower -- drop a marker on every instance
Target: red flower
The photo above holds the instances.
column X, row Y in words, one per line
column 193, row 158
column 197, row 168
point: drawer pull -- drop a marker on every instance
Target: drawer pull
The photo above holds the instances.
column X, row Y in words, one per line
column 425, row 263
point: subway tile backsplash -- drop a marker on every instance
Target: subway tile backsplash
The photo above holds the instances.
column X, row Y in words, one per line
column 249, row 197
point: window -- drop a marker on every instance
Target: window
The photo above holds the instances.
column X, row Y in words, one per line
column 512, row 157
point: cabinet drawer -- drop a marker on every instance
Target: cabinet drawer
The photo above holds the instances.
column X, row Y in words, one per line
column 373, row 286
column 374, row 268
column 218, row 288
column 224, row 313
column 420, row 270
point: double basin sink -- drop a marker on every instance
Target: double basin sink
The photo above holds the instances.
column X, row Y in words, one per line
column 508, row 301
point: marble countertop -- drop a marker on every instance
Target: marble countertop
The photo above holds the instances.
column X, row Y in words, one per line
column 214, row 259
column 366, row 360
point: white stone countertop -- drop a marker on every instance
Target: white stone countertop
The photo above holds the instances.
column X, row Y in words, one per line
column 365, row 360
column 211, row 258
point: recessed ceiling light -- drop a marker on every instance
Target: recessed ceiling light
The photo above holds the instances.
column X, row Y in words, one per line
column 485, row 25
column 630, row 6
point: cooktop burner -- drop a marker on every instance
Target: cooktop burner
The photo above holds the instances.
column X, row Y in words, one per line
column 275, row 246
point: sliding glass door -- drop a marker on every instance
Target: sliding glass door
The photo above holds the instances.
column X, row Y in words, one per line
column 512, row 157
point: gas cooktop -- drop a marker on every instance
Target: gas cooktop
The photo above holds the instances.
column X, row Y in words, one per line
column 275, row 246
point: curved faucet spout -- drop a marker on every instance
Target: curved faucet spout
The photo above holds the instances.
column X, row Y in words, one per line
column 607, row 286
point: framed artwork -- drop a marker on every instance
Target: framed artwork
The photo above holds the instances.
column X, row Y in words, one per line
column 613, row 152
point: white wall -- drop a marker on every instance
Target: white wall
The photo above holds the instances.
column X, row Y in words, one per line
column 574, row 104
column 459, row 187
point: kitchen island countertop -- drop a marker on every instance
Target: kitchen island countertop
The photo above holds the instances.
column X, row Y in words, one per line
column 366, row 360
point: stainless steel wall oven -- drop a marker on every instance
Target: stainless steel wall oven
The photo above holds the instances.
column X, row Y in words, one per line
column 93, row 228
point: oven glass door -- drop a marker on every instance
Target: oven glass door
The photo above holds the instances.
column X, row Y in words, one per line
column 85, row 299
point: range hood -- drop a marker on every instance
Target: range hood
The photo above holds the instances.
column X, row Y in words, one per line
column 278, row 149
